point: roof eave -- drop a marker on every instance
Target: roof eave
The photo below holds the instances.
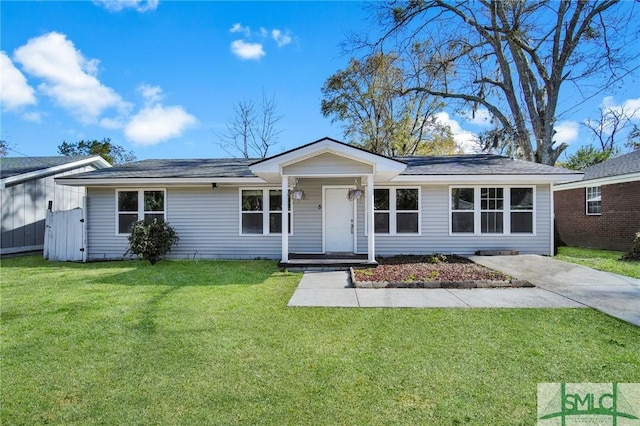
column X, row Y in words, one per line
column 469, row 179
column 609, row 180
column 166, row 181
column 96, row 160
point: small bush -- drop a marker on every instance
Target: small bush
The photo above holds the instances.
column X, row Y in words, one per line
column 151, row 240
column 634, row 254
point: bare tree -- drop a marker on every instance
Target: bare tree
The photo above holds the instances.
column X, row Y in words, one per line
column 513, row 57
column 608, row 130
column 253, row 129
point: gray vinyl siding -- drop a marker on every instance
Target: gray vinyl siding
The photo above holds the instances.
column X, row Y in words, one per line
column 328, row 164
column 24, row 208
column 435, row 236
column 208, row 224
column 206, row 220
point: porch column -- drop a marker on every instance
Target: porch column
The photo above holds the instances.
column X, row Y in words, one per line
column 285, row 219
column 371, row 244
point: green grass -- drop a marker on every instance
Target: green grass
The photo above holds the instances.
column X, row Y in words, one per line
column 204, row 342
column 603, row 260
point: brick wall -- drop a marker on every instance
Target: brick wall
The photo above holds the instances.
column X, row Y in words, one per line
column 614, row 229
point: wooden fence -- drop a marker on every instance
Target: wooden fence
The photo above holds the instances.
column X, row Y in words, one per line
column 64, row 236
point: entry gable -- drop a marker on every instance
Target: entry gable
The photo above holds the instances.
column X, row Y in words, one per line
column 327, row 157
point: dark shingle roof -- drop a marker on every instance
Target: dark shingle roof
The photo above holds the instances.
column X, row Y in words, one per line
column 188, row 168
column 476, row 164
column 623, row 165
column 12, row 166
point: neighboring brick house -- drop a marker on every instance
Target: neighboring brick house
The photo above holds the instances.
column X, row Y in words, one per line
column 603, row 209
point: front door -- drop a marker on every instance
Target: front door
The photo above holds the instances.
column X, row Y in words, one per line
column 338, row 220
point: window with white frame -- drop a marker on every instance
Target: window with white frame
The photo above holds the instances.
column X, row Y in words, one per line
column 462, row 210
column 594, row 200
column 139, row 204
column 492, row 210
column 396, row 210
column 261, row 211
column 521, row 206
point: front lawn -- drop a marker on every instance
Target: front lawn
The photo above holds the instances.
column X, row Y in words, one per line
column 603, row 260
column 205, row 342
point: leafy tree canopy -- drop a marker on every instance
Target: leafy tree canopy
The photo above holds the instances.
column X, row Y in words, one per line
column 114, row 154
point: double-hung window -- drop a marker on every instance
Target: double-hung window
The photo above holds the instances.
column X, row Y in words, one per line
column 261, row 211
column 521, row 204
column 396, row 210
column 139, row 204
column 492, row 210
column 594, row 200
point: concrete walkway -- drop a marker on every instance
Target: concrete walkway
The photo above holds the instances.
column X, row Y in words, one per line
column 612, row 294
column 332, row 289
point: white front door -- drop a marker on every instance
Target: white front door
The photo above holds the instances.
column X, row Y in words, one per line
column 338, row 220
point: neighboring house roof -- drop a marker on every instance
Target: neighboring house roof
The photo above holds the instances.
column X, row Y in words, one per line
column 622, row 165
column 625, row 168
column 240, row 169
column 14, row 170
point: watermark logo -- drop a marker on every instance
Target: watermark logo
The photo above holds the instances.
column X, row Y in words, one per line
column 569, row 404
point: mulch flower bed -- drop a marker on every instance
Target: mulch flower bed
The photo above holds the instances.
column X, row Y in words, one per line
column 433, row 271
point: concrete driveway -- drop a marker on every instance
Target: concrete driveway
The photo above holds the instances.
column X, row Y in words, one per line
column 612, row 294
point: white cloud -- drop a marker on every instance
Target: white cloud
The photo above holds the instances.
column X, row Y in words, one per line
column 280, row 38
column 481, row 117
column 69, row 77
column 16, row 92
column 239, row 28
column 151, row 94
column 464, row 138
column 245, row 50
column 155, row 124
column 566, row 132
column 630, row 106
column 120, row 5
column 34, row 117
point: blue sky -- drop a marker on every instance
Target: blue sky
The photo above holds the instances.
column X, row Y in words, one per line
column 161, row 78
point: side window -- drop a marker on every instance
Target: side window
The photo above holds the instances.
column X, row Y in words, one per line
column 139, row 204
column 521, row 210
column 261, row 211
column 252, row 211
column 491, row 210
column 127, row 210
column 594, row 200
column 462, row 210
column 381, row 204
column 407, row 206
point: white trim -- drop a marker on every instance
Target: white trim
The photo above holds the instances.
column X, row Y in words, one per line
column 141, row 211
column 135, row 182
column 265, row 210
column 485, row 179
column 587, row 200
column 275, row 164
column 610, row 180
column 97, row 161
column 506, row 212
column 354, row 216
column 369, row 228
column 552, row 215
column 284, row 219
column 393, row 213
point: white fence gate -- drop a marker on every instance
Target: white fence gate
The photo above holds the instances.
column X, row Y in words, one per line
column 64, row 236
